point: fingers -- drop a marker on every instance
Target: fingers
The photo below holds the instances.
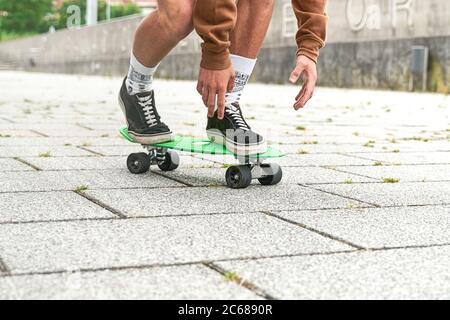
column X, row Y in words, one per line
column 295, row 75
column 200, row 87
column 305, row 94
column 221, row 103
column 211, row 101
column 205, row 93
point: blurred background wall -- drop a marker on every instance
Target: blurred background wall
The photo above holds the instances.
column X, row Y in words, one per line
column 386, row 44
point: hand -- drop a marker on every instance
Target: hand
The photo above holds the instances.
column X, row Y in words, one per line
column 212, row 86
column 308, row 68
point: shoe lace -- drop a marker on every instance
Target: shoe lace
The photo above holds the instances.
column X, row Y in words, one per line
column 233, row 111
column 146, row 102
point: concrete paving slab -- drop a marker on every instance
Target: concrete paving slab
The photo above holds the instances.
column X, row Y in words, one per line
column 124, row 150
column 70, row 180
column 397, row 194
column 291, row 175
column 412, row 173
column 168, row 201
column 167, row 283
column 63, row 141
column 323, row 148
column 301, row 160
column 77, row 163
column 392, row 274
column 380, row 227
column 408, row 157
column 48, row 206
column 7, row 135
column 43, row 247
column 42, row 151
column 7, row 164
column 103, row 163
column 79, row 133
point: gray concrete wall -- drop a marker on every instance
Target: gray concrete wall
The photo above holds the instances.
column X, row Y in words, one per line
column 369, row 45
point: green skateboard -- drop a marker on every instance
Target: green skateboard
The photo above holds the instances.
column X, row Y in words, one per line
column 237, row 177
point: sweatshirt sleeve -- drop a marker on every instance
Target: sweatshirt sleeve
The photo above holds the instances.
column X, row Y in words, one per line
column 312, row 26
column 213, row 21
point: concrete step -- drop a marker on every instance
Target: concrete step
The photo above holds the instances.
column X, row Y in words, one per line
column 7, row 67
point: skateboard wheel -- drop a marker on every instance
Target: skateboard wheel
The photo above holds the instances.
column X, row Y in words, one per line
column 138, row 163
column 171, row 161
column 239, row 177
column 274, row 178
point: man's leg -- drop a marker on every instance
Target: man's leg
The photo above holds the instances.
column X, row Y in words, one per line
column 155, row 37
column 251, row 27
column 253, row 21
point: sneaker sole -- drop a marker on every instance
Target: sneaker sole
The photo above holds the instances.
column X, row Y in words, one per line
column 142, row 138
column 217, row 138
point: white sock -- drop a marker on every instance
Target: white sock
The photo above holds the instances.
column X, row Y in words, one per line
column 243, row 68
column 140, row 77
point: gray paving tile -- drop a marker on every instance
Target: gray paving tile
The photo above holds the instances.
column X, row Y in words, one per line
column 117, row 150
column 36, row 151
column 69, row 180
column 63, row 141
column 104, row 163
column 6, row 135
column 168, row 201
column 291, row 175
column 78, row 133
column 101, row 244
column 302, row 160
column 306, row 140
column 78, row 163
column 381, row 227
column 43, row 206
column 391, row 274
column 398, row 194
column 13, row 165
column 409, row 157
column 167, row 283
column 324, row 148
column 404, row 172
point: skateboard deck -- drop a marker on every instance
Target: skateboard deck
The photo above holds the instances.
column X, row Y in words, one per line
column 198, row 145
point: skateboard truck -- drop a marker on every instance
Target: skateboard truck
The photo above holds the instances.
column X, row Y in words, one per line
column 166, row 160
column 250, row 168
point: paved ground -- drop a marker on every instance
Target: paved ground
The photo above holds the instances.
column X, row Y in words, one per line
column 363, row 210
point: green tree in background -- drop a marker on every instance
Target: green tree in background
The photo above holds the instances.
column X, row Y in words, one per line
column 117, row 11
column 25, row 16
column 20, row 18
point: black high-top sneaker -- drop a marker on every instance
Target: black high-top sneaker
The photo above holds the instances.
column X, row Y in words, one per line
column 234, row 133
column 144, row 122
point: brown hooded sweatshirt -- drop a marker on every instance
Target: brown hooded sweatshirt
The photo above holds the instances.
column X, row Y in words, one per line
column 215, row 19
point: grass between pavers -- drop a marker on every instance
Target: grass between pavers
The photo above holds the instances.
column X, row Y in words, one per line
column 309, row 142
column 302, row 151
column 391, row 180
column 47, row 154
column 5, row 135
column 378, row 164
column 231, row 276
column 420, row 139
column 300, row 128
column 81, row 188
column 369, row 144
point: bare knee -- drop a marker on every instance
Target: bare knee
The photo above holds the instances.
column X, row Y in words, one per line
column 177, row 19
